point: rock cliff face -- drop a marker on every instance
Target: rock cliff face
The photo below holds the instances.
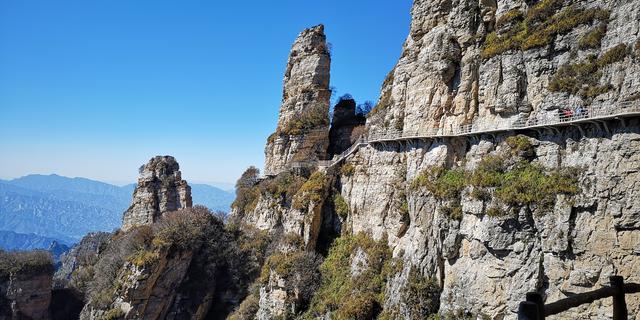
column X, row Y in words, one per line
column 461, row 210
column 25, row 285
column 452, row 72
column 30, row 295
column 303, row 123
column 462, row 227
column 160, row 189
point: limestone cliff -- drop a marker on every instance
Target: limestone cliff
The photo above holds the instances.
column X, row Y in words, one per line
column 25, row 285
column 491, row 216
column 303, row 122
column 160, row 189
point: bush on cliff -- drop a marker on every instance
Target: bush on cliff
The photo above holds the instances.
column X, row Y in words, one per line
column 351, row 294
column 25, row 263
column 312, row 191
column 247, row 193
column 539, row 27
column 508, row 177
column 583, row 78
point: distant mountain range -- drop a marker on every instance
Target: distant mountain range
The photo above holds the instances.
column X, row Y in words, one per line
column 36, row 210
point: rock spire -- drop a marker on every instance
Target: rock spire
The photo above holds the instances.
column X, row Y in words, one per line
column 160, row 189
column 303, row 122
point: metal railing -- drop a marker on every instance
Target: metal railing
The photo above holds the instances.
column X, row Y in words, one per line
column 583, row 114
column 563, row 117
column 534, row 307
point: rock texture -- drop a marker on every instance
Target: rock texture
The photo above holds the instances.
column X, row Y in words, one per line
column 25, row 289
column 83, row 254
column 303, row 122
column 29, row 295
column 445, row 78
column 160, row 189
column 485, row 264
column 149, row 292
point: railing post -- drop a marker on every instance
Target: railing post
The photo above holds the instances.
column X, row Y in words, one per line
column 528, row 311
column 619, row 305
column 537, row 299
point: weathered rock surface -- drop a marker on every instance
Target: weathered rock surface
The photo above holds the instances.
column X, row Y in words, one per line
column 81, row 255
column 26, row 295
column 149, row 292
column 486, row 264
column 160, row 189
column 303, row 122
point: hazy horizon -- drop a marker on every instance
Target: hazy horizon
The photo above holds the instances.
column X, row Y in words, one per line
column 96, row 89
column 225, row 186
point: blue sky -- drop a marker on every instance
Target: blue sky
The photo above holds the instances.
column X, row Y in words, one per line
column 96, row 88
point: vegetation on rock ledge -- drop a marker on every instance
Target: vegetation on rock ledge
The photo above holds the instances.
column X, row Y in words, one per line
column 538, row 27
column 508, row 178
column 353, row 294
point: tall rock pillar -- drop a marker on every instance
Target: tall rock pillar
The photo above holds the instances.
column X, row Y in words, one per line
column 303, row 123
column 160, row 189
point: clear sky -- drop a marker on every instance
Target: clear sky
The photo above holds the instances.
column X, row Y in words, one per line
column 96, row 88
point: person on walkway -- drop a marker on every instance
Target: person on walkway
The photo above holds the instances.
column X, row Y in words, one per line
column 566, row 114
column 581, row 112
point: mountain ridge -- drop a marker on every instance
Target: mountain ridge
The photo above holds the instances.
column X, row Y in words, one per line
column 50, row 206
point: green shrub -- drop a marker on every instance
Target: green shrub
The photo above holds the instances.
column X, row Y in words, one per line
column 539, row 27
column 421, row 295
column 443, row 184
column 247, row 192
column 593, row 38
column 361, row 306
column 340, row 206
column 300, row 271
column 513, row 15
column 528, row 184
column 495, row 211
column 347, row 169
column 184, row 229
column 519, row 145
column 283, row 187
column 113, row 314
column 543, row 10
column 312, row 191
column 346, row 295
column 583, row 77
column 25, row 262
column 615, row 54
column 453, row 211
column 312, row 118
column 578, row 78
column 488, row 173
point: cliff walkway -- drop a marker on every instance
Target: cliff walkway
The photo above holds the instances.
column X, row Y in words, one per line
column 592, row 114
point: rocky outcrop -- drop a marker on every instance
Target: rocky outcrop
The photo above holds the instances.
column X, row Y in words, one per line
column 346, row 126
column 30, row 295
column 445, row 78
column 148, row 291
column 160, row 189
column 303, row 123
column 82, row 255
column 25, row 285
column 453, row 71
column 491, row 63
